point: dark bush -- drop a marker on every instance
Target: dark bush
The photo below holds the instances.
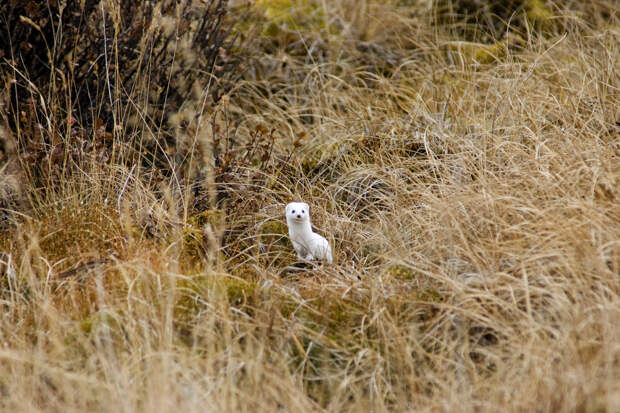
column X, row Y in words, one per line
column 86, row 78
column 491, row 20
column 488, row 21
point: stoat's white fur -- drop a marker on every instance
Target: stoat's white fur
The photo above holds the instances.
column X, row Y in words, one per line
column 309, row 245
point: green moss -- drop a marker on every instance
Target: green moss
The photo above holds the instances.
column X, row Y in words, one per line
column 402, row 272
column 276, row 249
column 190, row 299
column 293, row 15
column 194, row 247
column 287, row 306
column 240, row 293
column 431, row 296
column 372, row 253
column 71, row 234
column 332, row 316
column 212, row 217
column 194, row 241
column 271, row 29
column 100, row 321
column 322, row 159
column 195, row 291
column 274, row 232
column 479, row 52
column 538, row 13
column 275, row 10
column 327, row 321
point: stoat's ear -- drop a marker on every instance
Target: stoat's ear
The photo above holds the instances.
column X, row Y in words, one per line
column 306, row 206
column 288, row 206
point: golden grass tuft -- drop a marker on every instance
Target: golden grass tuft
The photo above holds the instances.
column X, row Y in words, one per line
column 472, row 205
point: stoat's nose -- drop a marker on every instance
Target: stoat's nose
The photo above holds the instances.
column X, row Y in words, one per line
column 298, row 216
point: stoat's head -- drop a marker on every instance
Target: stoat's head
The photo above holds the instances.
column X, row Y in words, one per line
column 297, row 212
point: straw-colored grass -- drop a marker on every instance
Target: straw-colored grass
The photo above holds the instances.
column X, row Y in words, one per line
column 472, row 203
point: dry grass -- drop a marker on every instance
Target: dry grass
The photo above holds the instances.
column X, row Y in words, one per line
column 473, row 208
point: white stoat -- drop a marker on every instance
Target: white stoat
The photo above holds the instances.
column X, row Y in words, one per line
column 309, row 245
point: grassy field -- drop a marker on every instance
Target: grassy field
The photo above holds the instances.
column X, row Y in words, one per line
column 468, row 181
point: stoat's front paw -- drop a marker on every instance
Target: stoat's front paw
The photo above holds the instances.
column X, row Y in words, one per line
column 307, row 257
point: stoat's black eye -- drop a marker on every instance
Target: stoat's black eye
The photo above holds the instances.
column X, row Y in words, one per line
column 293, row 211
column 303, row 212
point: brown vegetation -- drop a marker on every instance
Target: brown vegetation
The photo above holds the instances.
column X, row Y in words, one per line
column 465, row 170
